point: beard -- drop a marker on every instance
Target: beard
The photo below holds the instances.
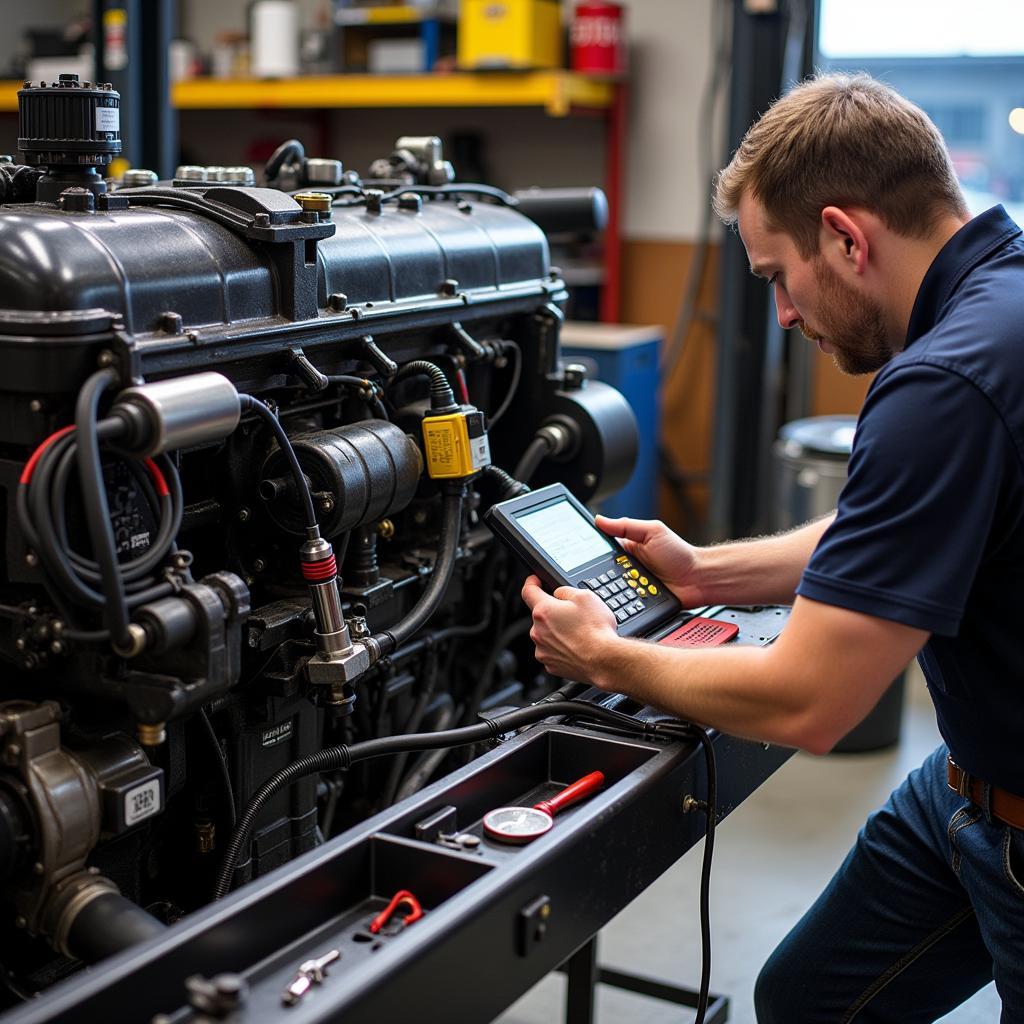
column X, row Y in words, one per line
column 851, row 324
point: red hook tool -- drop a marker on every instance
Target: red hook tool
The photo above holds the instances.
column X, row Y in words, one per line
column 403, row 896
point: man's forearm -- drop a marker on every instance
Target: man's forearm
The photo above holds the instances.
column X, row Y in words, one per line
column 734, row 690
column 761, row 571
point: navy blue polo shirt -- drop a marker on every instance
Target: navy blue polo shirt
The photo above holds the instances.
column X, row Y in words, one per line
column 930, row 525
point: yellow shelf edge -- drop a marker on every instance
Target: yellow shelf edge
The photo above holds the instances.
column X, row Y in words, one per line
column 555, row 91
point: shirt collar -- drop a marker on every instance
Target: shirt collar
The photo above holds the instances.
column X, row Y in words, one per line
column 976, row 240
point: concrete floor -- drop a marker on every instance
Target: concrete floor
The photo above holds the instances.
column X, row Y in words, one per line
column 773, row 855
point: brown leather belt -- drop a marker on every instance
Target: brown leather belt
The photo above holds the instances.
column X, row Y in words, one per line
column 1008, row 808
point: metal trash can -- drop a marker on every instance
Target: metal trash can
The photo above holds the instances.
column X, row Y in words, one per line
column 810, row 459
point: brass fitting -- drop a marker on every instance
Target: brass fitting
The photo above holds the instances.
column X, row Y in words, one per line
column 151, row 735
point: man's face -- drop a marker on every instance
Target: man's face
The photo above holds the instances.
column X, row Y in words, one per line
column 809, row 294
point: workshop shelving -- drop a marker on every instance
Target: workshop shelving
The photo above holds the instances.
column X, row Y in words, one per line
column 557, row 92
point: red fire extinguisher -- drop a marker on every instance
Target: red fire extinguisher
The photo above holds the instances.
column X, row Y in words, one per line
column 599, row 39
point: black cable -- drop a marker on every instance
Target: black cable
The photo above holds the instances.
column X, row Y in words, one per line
column 517, row 372
column 344, row 757
column 250, row 404
column 41, row 505
column 482, row 191
column 441, row 394
column 710, row 808
column 222, row 763
column 388, row 640
column 97, row 509
column 534, row 455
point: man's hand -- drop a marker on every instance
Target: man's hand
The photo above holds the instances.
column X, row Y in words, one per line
column 665, row 553
column 570, row 628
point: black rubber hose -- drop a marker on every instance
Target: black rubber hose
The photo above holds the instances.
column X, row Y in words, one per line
column 291, row 148
column 97, row 509
column 109, row 924
column 441, row 394
column 509, row 486
column 18, row 183
column 447, row 549
column 531, row 458
column 250, row 404
column 344, row 757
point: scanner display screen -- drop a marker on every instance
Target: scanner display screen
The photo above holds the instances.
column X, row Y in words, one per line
column 566, row 537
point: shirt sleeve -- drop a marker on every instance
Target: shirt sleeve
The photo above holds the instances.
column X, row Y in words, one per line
column 929, row 459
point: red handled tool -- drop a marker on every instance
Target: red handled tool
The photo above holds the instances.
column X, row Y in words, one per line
column 523, row 824
column 402, row 897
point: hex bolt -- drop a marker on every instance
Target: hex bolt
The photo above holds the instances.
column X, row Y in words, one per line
column 31, row 559
column 35, row 405
column 243, row 515
column 106, row 358
column 259, row 565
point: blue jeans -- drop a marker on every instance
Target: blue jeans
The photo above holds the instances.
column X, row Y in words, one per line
column 926, row 909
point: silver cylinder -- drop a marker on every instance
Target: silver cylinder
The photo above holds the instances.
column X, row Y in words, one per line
column 138, row 177
column 810, row 459
column 332, row 635
column 180, row 413
column 190, row 172
column 238, row 176
column 320, row 171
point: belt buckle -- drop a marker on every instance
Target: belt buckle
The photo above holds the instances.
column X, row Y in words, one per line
column 963, row 782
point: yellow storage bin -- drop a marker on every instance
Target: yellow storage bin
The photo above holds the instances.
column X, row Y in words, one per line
column 514, row 34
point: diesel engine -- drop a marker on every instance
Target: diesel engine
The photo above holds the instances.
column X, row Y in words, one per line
column 248, row 435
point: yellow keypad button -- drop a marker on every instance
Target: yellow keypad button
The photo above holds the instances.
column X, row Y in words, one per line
column 622, row 558
column 634, row 574
column 652, row 590
column 643, row 581
column 641, row 591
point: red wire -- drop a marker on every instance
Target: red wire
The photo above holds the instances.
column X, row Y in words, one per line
column 159, row 480
column 30, row 466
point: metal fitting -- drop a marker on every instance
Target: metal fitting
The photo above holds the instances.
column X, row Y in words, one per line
column 137, row 640
column 151, row 735
column 314, row 202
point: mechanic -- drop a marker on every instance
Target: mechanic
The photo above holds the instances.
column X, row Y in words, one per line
column 847, row 203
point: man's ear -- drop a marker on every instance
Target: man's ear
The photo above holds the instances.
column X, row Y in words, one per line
column 842, row 239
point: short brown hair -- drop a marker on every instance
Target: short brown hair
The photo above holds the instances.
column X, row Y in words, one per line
column 841, row 139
